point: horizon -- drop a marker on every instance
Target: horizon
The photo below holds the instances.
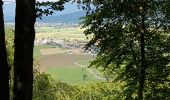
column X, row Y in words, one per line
column 9, row 10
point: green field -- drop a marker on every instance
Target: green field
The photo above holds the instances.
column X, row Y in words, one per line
column 71, row 75
column 37, row 48
column 87, row 63
column 60, row 33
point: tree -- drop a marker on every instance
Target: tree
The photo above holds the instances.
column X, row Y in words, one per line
column 26, row 14
column 23, row 55
column 4, row 68
column 134, row 44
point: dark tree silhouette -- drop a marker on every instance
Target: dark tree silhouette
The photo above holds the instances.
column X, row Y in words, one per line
column 24, row 43
column 4, row 69
column 142, row 50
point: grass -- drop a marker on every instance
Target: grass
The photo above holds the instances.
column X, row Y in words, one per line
column 87, row 63
column 84, row 63
column 71, row 75
column 37, row 48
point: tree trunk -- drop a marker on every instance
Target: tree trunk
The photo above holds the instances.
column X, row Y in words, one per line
column 4, row 68
column 24, row 44
column 142, row 50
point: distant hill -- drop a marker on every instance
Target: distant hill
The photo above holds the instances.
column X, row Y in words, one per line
column 71, row 14
column 64, row 18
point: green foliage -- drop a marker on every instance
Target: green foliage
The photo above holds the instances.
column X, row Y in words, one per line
column 100, row 91
column 10, row 54
column 45, row 88
column 65, row 91
column 116, row 26
column 10, row 45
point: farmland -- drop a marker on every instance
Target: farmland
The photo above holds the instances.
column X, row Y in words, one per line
column 59, row 62
column 69, row 33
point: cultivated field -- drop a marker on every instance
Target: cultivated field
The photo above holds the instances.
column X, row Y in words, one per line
column 62, row 67
column 60, row 33
column 59, row 62
column 62, row 60
column 50, row 51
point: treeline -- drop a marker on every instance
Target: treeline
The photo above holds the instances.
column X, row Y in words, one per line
column 45, row 88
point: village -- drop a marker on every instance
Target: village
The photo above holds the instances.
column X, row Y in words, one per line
column 77, row 45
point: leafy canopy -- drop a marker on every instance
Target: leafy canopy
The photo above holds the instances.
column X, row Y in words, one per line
column 116, row 26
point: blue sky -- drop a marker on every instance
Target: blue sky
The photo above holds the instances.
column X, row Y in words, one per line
column 37, row 0
column 9, row 9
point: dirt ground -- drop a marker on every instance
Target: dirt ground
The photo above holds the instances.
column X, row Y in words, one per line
column 61, row 60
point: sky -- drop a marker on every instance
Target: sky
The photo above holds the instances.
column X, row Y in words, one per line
column 37, row 0
column 9, row 9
